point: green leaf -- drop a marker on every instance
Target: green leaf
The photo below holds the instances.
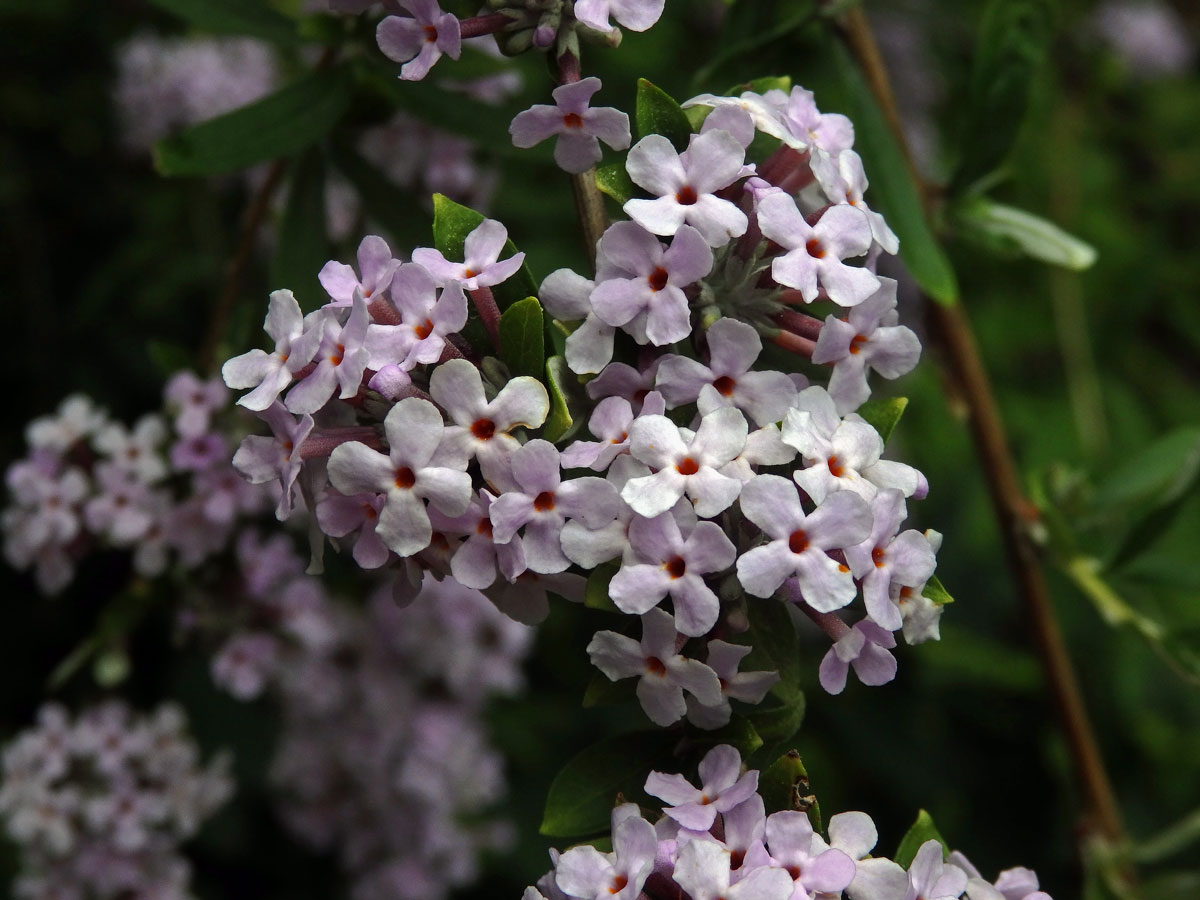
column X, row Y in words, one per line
column 1156, row 476
column 602, row 692
column 583, row 794
column 303, row 248
column 123, row 613
column 383, row 200
column 784, row 784
column 921, row 831
column 452, row 222
column 658, row 113
column 772, row 634
column 285, row 123
column 1014, row 229
column 168, row 358
column 752, row 28
column 893, row 192
column 883, row 414
column 1170, row 841
column 740, row 733
column 565, row 404
column 777, row 719
column 934, row 591
column 613, row 180
column 254, row 19
column 1014, row 38
column 522, row 338
column 596, row 593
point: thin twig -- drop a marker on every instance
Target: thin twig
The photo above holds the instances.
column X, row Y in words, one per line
column 1014, row 511
column 589, row 202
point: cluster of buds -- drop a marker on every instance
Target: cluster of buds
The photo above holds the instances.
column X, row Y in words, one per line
column 161, row 489
column 717, row 841
column 433, row 458
column 99, row 804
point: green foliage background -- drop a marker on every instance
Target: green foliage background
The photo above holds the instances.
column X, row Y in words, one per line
column 111, row 270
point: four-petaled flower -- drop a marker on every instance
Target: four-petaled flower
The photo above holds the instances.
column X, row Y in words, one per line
column 579, row 128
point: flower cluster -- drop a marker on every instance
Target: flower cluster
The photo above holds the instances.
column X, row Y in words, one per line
column 99, row 804
column 716, row 841
column 383, row 757
column 429, row 456
column 163, row 488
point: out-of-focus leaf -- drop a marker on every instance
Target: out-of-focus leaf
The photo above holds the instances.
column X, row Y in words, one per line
column 565, row 404
column 752, row 25
column 582, row 795
column 287, row 122
column 658, row 113
column 776, row 719
column 596, row 594
column 119, row 618
column 740, row 733
column 600, row 691
column 1172, row 886
column 303, row 248
column 1013, row 41
column 772, row 634
column 1168, row 842
column 922, row 830
column 522, row 338
column 883, row 414
column 965, row 657
column 893, row 192
column 613, row 180
column 452, row 222
column 168, row 358
column 383, row 200
column 1019, row 231
column 234, row 17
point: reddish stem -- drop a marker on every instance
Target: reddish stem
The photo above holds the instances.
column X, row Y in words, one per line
column 793, row 343
column 489, row 313
column 384, row 311
column 320, row 444
column 800, row 324
column 477, row 26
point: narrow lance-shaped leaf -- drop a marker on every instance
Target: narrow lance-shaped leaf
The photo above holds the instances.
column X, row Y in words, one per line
column 892, row 190
column 613, row 180
column 303, row 248
column 452, row 222
column 1020, row 231
column 564, row 418
column 582, row 795
column 658, row 113
column 234, row 17
column 285, row 123
column 383, row 200
column 883, row 414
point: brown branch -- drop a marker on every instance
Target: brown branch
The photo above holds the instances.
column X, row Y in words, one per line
column 252, row 220
column 1015, row 513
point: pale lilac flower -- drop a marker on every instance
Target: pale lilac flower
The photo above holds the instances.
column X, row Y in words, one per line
column 931, row 878
column 200, row 452
column 620, row 380
column 482, row 267
column 727, row 380
column 765, row 110
column 375, row 262
column 243, row 665
column 412, row 473
column 737, row 121
column 481, row 429
column 427, row 318
column 749, row 687
column 1018, row 883
column 610, row 421
column 812, row 865
column 1149, row 36
column 636, row 15
column 685, row 466
column 477, row 559
column 723, row 786
column 799, row 541
column 579, row 128
column 566, row 295
column 136, row 451
column 704, row 870
column 339, row 515
column 590, row 547
column 685, row 185
column 542, row 503
column 867, row 338
column 867, row 648
column 842, row 454
column 886, row 559
column 764, row 447
column 808, row 127
column 875, row 877
column 815, row 253
column 844, row 180
column 341, row 361
column 664, row 673
column 261, row 459
column 585, row 872
column 419, row 42
column 662, row 563
column 639, row 283
column 194, row 401
column 268, row 374
column 121, row 508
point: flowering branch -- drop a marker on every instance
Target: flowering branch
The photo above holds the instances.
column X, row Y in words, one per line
column 1015, row 513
